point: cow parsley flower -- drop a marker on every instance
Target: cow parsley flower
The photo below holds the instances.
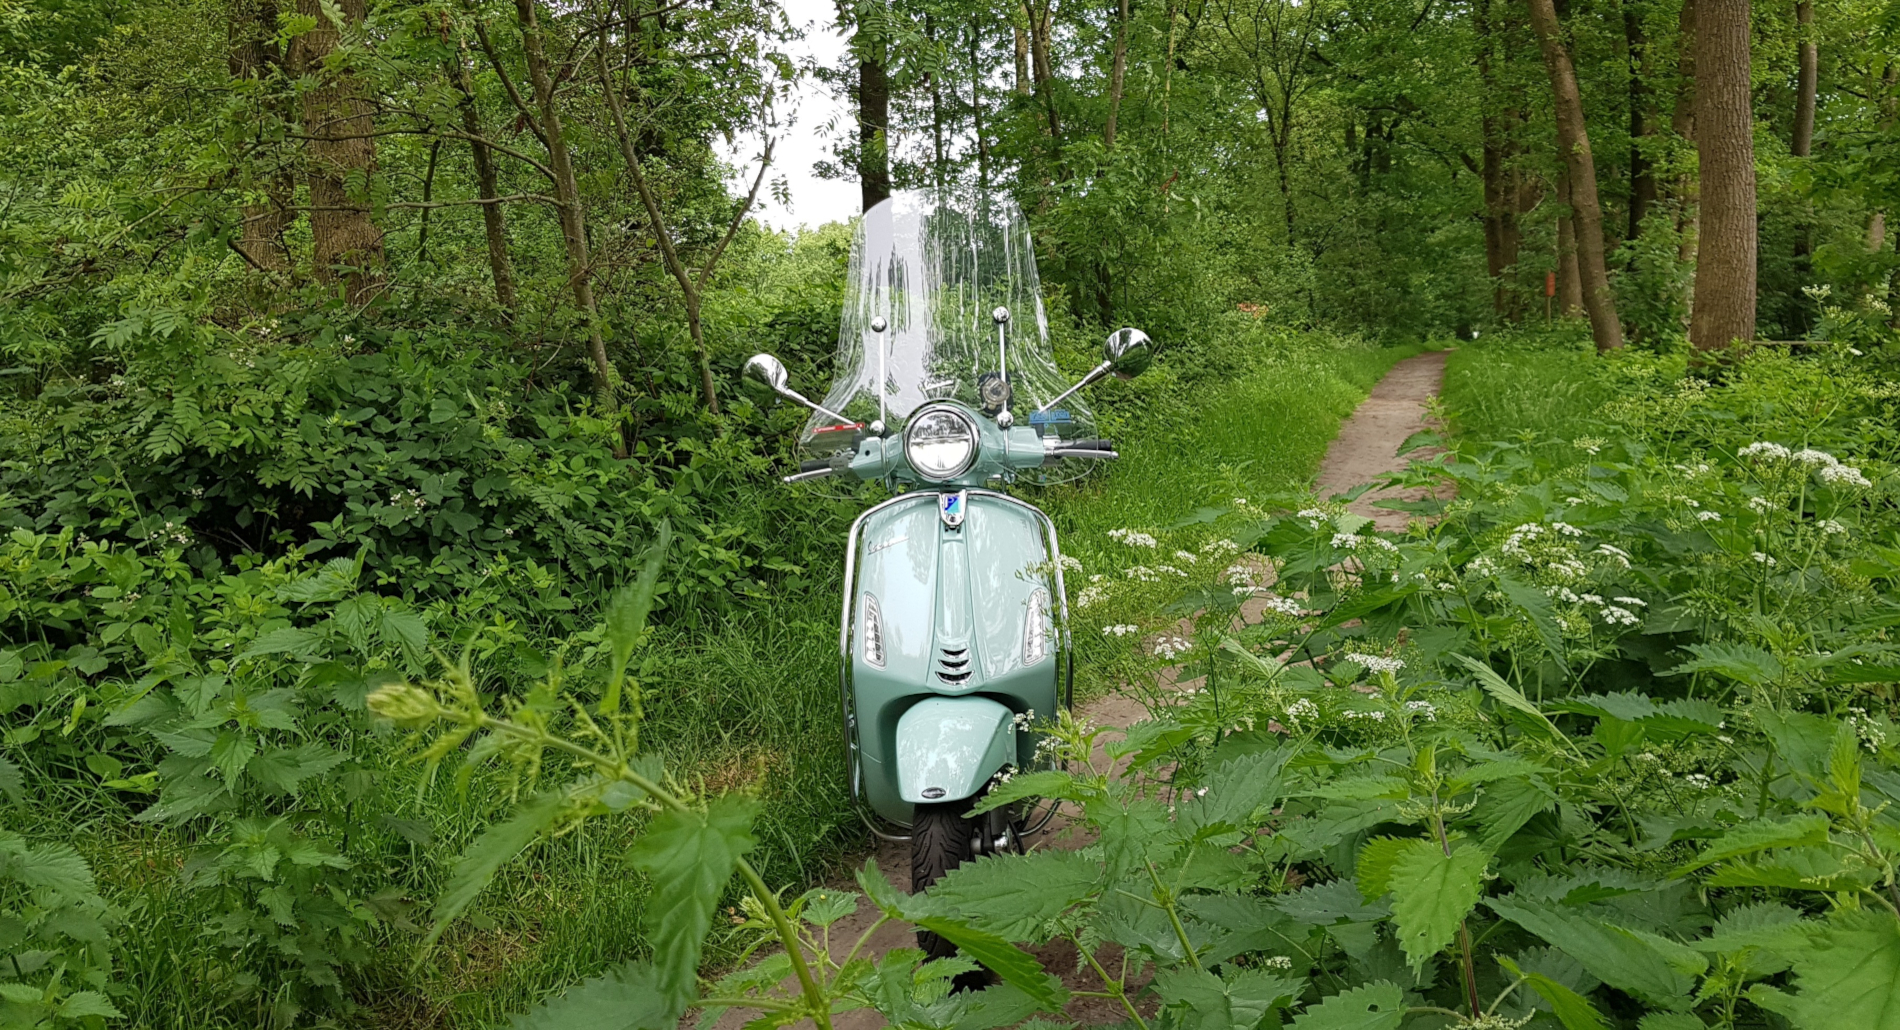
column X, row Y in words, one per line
column 1771, row 451
column 1810, row 456
column 1423, row 709
column 1121, row 630
column 1172, row 647
column 1764, row 559
column 1132, row 538
column 1844, row 475
column 1376, row 663
column 1283, row 606
column 1708, row 516
column 1346, row 541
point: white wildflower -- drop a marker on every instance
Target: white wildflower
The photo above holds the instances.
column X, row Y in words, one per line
column 1761, row 504
column 1132, row 538
column 1844, row 475
column 1482, row 566
column 1172, row 647
column 1376, row 663
column 1772, row 451
column 1187, row 556
column 1590, row 599
column 1121, row 630
column 1810, row 456
column 1070, row 564
column 1090, row 596
column 1588, row 444
column 1277, row 962
column 1423, row 709
column 1283, row 606
column 1699, row 781
column 1143, row 574
column 1566, row 529
column 1375, row 716
column 1708, row 516
column 1631, row 602
column 1616, row 616
column 1220, row 548
column 1829, row 527
column 1764, row 559
column 1346, row 541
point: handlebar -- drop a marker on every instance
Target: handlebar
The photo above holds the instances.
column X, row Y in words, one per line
column 1077, row 452
column 814, row 464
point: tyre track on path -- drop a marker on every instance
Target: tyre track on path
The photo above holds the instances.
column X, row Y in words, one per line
column 1365, row 450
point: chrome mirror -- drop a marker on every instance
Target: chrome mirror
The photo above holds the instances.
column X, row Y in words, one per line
column 768, row 370
column 1127, row 353
column 771, row 371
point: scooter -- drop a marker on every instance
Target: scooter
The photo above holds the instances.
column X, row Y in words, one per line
column 954, row 633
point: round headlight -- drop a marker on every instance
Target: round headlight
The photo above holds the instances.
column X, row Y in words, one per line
column 940, row 443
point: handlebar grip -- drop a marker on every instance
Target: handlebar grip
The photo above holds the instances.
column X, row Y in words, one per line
column 814, row 464
column 1088, row 445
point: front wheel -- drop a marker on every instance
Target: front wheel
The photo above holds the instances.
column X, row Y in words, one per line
column 941, row 839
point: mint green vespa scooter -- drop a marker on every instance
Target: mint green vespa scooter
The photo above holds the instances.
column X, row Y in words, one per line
column 954, row 636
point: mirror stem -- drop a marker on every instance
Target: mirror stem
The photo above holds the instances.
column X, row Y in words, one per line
column 788, row 392
column 1095, row 373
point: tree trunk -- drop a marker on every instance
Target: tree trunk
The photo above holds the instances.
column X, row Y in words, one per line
column 253, row 56
column 494, row 220
column 1022, row 60
column 1117, row 74
column 1500, row 191
column 347, row 247
column 1041, row 68
column 1682, row 122
column 874, row 121
column 1569, row 280
column 1725, row 149
column 1807, row 79
column 1574, row 141
column 976, row 112
column 1642, row 120
column 573, row 218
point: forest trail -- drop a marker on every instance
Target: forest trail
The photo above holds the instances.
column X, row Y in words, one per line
column 1367, row 447
column 1365, row 450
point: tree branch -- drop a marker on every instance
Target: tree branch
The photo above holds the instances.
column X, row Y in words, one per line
column 765, row 161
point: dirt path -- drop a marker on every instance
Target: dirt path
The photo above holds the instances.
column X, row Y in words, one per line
column 1368, row 443
column 1366, row 448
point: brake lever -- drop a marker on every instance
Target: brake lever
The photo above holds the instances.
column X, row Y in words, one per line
column 801, row 477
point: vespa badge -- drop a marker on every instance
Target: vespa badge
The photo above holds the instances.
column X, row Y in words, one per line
column 951, row 507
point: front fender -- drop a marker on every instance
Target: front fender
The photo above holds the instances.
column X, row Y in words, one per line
column 949, row 747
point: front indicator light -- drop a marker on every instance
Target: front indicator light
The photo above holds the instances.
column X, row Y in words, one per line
column 872, row 628
column 1035, row 632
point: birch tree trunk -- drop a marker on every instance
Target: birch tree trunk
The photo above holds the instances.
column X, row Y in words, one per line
column 494, row 220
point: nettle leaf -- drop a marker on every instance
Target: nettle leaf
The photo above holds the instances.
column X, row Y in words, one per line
column 1507, row 805
column 1802, row 740
column 1573, row 1010
column 485, row 857
column 1046, row 783
column 1249, row 924
column 1758, row 835
column 1327, row 903
column 1236, row 1000
column 1012, row 895
column 1376, row 1006
column 1017, row 967
column 1622, row 958
column 1507, row 695
column 1432, row 892
column 629, row 997
column 689, row 857
column 1848, row 975
column 1740, row 662
column 1623, row 705
column 54, row 867
column 12, row 784
column 1767, row 924
column 1374, row 868
column 1234, row 791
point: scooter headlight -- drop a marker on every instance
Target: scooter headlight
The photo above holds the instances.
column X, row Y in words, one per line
column 940, row 443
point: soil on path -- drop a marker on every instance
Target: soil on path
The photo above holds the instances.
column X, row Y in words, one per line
column 1367, row 447
column 1365, row 450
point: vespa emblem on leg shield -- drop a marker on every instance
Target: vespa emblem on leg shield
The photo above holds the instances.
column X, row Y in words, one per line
column 951, row 507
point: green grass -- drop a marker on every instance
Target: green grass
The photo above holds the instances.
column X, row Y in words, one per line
column 1530, row 388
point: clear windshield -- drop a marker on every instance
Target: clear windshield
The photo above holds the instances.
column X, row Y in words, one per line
column 934, row 270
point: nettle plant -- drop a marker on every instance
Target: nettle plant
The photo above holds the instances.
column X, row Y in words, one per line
column 689, row 844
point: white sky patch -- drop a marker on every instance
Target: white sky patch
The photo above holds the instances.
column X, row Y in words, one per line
column 804, row 140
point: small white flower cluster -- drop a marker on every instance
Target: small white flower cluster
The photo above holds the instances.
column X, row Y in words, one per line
column 1132, row 538
column 1090, row 595
column 1346, row 541
column 1423, row 709
column 172, row 532
column 1482, row 566
column 1764, row 559
column 1615, row 554
column 1524, row 534
column 1283, row 606
column 1844, row 475
column 411, row 499
column 1376, row 663
column 1300, row 710
column 1701, row 468
column 1022, row 719
column 1171, row 570
column 1143, row 574
column 1314, row 517
column 1172, row 647
column 1708, row 516
column 1355, row 714
column 1383, row 544
column 1699, row 781
column 1811, row 457
column 1618, row 616
column 1120, row 630
column 1871, row 735
column 1187, row 556
column 1829, row 527
column 1765, row 451
column 1069, row 563
column 1566, row 529
column 1588, row 444
column 1761, row 505
column 1277, row 962
column 1003, row 775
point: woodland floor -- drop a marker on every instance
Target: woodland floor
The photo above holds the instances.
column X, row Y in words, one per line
column 1366, row 448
